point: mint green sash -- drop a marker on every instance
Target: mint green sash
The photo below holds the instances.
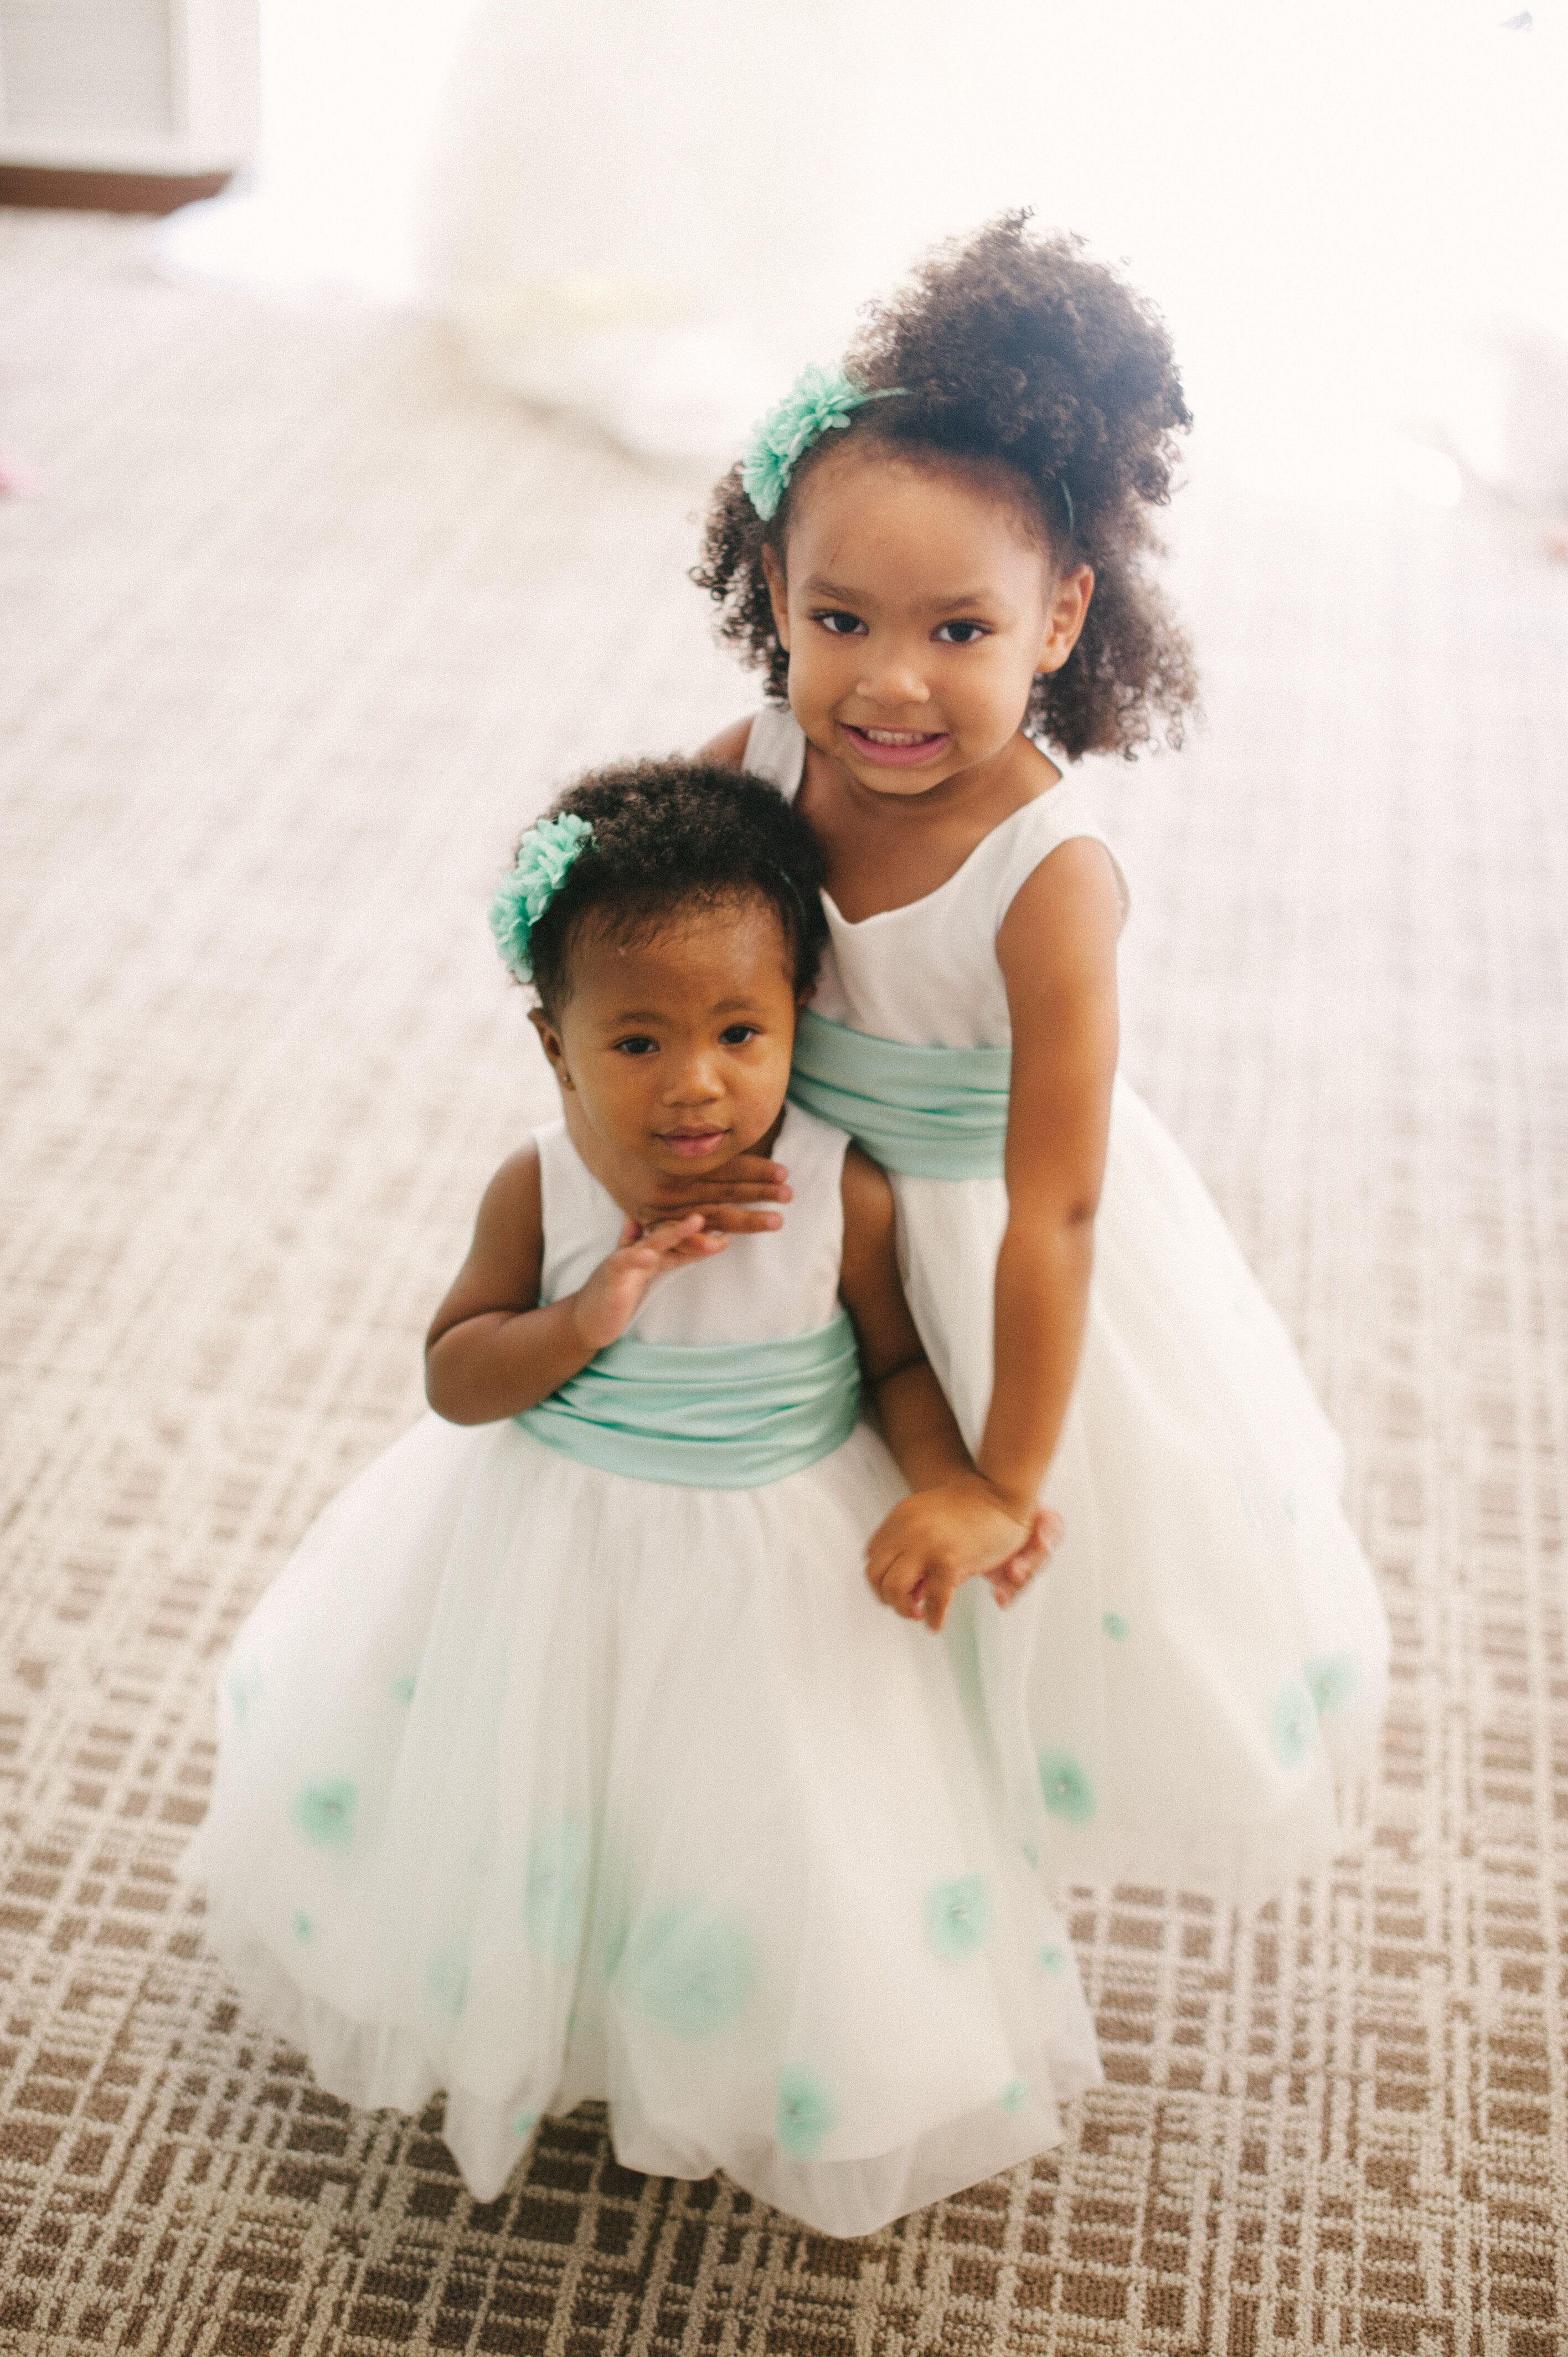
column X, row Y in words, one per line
column 934, row 1113
column 713, row 1415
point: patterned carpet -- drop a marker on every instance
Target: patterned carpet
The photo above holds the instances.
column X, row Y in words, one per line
column 296, row 632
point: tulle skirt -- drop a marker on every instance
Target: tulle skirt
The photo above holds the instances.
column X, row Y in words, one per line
column 537, row 1783
column 1189, row 1692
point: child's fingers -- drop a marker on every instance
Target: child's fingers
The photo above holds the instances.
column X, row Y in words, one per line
column 726, row 1193
column 918, row 1590
column 1026, row 1561
column 881, row 1549
column 1009, row 1579
column 759, row 1170
column 747, row 1179
column 1015, row 1571
column 888, row 1546
column 752, row 1217
column 702, row 1246
column 895, row 1577
column 641, row 1261
column 1045, row 1531
column 891, row 1536
column 666, row 1247
column 742, row 1219
column 669, row 1234
column 879, row 1560
column 678, row 1223
column 937, row 1594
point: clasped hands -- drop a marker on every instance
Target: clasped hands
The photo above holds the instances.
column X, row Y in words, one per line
column 921, row 1554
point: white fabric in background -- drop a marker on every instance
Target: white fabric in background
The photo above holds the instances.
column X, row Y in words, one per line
column 653, row 210
column 649, row 212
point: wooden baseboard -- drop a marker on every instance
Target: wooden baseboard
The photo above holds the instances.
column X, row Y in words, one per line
column 65, row 190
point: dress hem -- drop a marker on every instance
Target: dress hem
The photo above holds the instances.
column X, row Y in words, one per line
column 399, row 2075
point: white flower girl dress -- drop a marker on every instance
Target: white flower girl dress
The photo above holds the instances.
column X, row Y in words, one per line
column 1205, row 1659
column 540, row 1781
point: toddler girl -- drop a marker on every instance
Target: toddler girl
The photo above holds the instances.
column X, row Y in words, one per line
column 572, row 1755
column 939, row 558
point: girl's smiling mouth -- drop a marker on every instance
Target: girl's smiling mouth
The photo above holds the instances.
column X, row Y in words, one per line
column 895, row 748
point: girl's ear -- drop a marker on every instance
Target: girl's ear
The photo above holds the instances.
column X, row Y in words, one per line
column 778, row 597
column 1065, row 617
column 550, row 1040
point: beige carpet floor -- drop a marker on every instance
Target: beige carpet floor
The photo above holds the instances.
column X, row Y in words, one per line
column 296, row 632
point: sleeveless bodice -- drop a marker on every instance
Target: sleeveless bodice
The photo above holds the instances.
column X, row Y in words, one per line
column 928, row 973
column 759, row 1288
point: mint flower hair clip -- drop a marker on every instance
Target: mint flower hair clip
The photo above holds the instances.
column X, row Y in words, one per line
column 820, row 400
column 545, row 857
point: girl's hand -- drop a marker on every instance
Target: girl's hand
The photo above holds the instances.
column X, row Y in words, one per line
column 734, row 1200
column 612, row 1297
column 734, row 1203
column 1010, row 1579
column 931, row 1542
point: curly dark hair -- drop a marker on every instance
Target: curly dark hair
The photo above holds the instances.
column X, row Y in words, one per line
column 1019, row 351
column 671, row 835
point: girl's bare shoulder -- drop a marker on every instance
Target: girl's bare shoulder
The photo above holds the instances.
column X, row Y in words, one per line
column 1066, row 915
column 516, row 1189
column 727, row 749
column 509, row 1229
column 506, row 1254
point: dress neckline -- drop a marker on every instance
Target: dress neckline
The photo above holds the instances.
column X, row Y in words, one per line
column 857, row 924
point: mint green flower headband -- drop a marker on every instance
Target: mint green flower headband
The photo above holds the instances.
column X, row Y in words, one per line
column 545, row 857
column 820, row 400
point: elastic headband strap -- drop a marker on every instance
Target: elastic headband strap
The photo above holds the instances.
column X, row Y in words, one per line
column 821, row 401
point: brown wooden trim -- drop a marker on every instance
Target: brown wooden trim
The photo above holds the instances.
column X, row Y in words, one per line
column 65, row 190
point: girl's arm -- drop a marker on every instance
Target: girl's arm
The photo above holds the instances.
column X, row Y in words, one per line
column 1057, row 954
column 956, row 1526
column 491, row 1351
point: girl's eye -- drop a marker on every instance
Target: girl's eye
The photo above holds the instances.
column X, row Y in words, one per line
column 841, row 625
column 637, row 1045
column 735, row 1034
column 949, row 631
